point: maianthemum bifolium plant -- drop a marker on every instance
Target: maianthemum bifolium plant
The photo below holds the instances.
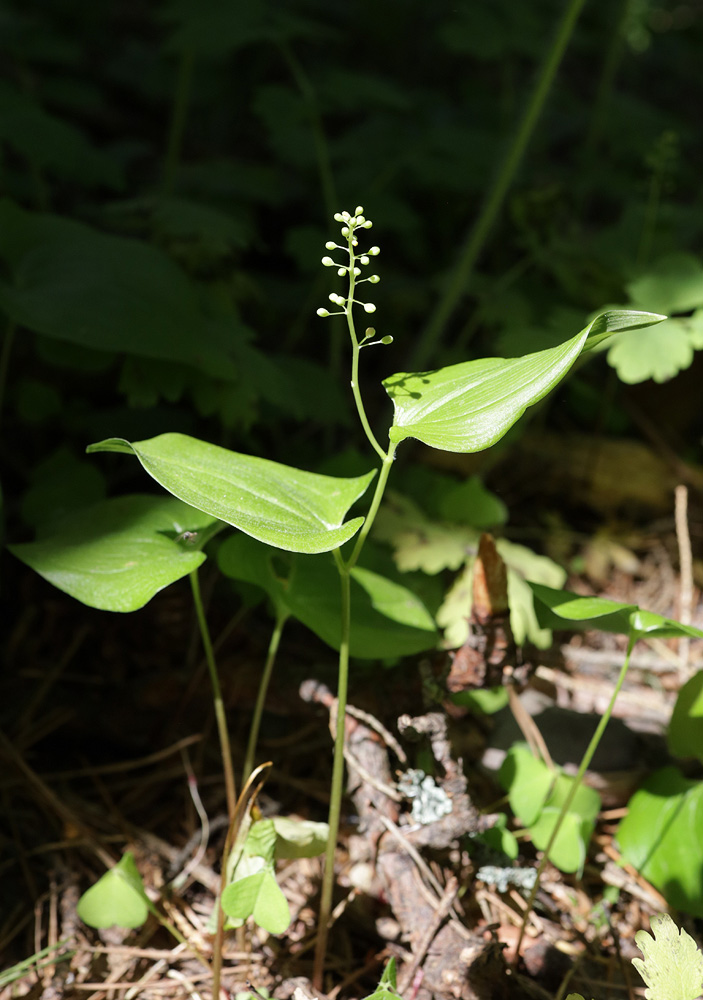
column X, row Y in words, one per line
column 120, row 552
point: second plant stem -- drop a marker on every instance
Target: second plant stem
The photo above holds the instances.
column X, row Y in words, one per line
column 219, row 705
column 587, row 758
column 281, row 619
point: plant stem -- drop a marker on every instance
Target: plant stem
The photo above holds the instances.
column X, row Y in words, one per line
column 375, row 504
column 431, row 337
column 230, row 787
column 179, row 113
column 261, row 695
column 337, row 787
column 356, row 350
column 587, row 758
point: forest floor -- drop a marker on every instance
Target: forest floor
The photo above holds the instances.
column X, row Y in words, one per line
column 113, row 717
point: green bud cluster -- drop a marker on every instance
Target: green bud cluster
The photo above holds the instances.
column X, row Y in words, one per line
column 352, row 270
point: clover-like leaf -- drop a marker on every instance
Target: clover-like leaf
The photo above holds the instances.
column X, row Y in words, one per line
column 258, row 896
column 279, row 505
column 117, row 898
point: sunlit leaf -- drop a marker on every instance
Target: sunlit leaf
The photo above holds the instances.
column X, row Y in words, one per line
column 672, row 966
column 117, row 898
column 469, row 406
column 279, row 505
column 118, row 553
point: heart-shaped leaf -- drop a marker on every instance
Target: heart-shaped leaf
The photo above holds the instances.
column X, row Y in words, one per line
column 117, row 898
column 260, row 897
column 388, row 620
column 537, row 794
column 279, row 505
column 469, row 406
column 661, row 837
column 116, row 554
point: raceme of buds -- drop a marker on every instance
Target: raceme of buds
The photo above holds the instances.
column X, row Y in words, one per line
column 353, row 269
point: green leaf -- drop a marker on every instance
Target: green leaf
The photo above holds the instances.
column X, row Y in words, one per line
column 661, row 837
column 261, row 839
column 484, row 701
column 386, row 989
column 117, row 898
column 106, row 292
column 673, row 966
column 470, row 406
column 568, row 851
column 300, row 838
column 242, row 557
column 260, row 897
column 116, row 554
column 528, row 782
column 652, row 625
column 659, row 353
column 471, row 503
column 388, row 620
column 279, row 505
column 418, row 542
column 555, row 607
column 537, row 794
column 685, row 733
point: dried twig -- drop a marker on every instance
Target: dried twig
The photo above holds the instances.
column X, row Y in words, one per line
column 444, row 907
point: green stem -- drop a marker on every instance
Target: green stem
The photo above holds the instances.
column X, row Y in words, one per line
column 356, row 350
column 261, row 696
column 431, row 337
column 587, row 758
column 179, row 113
column 375, row 504
column 218, row 703
column 337, row 787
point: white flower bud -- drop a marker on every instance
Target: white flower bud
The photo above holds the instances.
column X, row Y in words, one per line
column 374, row 251
column 358, row 210
column 369, row 307
column 364, row 259
column 338, row 217
column 345, row 230
column 374, row 279
column 328, row 262
column 357, row 272
column 323, row 312
column 367, row 224
column 342, row 271
column 330, row 245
